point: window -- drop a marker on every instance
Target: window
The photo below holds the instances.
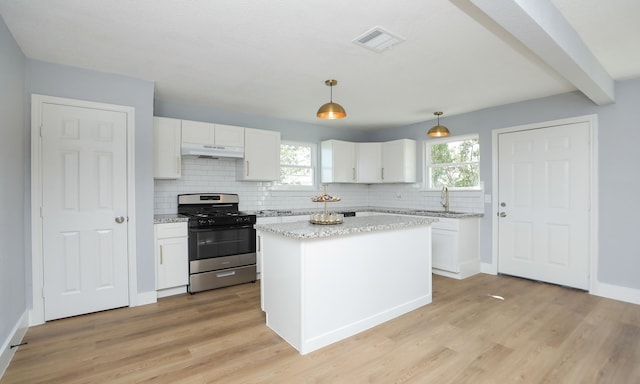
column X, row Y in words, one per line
column 453, row 162
column 297, row 165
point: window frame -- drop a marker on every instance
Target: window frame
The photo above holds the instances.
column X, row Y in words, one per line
column 427, row 165
column 278, row 186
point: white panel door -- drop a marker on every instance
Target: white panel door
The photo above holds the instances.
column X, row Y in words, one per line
column 84, row 168
column 544, row 204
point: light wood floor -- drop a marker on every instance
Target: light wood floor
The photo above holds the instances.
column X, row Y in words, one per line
column 539, row 333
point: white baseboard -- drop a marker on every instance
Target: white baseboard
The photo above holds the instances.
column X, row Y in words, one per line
column 171, row 291
column 489, row 268
column 16, row 336
column 147, row 298
column 610, row 291
column 616, row 292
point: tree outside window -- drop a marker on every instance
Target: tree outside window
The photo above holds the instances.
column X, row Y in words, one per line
column 297, row 164
column 453, row 163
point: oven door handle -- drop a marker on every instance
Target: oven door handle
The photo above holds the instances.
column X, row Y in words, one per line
column 209, row 229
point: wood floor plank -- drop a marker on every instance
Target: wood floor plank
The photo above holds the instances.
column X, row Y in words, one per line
column 484, row 329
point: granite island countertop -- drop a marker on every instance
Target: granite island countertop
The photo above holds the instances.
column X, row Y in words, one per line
column 399, row 211
column 350, row 225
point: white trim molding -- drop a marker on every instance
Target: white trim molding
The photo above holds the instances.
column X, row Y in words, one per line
column 150, row 297
column 15, row 337
column 616, row 292
column 36, row 314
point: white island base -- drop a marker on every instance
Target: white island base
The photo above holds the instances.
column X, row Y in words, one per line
column 317, row 291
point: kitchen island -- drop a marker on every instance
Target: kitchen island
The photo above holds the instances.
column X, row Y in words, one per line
column 323, row 283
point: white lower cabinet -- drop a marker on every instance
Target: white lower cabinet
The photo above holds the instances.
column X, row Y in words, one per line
column 172, row 258
column 271, row 220
column 262, row 220
column 455, row 247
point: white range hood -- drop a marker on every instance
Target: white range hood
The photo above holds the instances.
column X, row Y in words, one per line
column 211, row 151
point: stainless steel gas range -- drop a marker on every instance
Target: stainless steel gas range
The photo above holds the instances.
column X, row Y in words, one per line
column 222, row 241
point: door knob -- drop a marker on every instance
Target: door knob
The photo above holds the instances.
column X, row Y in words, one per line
column 502, row 214
column 120, row 219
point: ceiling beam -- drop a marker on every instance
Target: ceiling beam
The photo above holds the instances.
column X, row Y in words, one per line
column 540, row 26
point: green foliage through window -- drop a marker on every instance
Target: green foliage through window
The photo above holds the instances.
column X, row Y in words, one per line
column 454, row 164
column 297, row 164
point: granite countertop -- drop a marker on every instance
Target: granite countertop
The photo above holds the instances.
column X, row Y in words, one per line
column 169, row 218
column 399, row 211
column 306, row 230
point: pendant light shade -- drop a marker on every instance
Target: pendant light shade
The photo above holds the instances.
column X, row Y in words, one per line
column 438, row 130
column 331, row 110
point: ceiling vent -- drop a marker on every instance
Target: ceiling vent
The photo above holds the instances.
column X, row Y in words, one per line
column 378, row 39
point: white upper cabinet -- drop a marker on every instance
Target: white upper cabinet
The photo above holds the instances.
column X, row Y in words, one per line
column 229, row 135
column 166, row 148
column 197, row 132
column 399, row 161
column 261, row 156
column 368, row 163
column 338, row 160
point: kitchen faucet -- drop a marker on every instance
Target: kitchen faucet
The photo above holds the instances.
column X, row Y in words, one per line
column 444, row 199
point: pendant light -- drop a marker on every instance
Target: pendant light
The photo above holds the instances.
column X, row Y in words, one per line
column 438, row 130
column 331, row 110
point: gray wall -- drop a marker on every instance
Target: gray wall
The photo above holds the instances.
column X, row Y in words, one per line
column 619, row 157
column 62, row 81
column 13, row 191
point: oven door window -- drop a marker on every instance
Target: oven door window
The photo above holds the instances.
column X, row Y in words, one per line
column 219, row 242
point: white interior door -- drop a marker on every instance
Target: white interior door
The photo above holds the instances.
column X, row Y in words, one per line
column 544, row 204
column 84, row 210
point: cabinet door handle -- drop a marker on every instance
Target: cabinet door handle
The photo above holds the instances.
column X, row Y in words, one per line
column 259, row 243
column 178, row 164
column 161, row 256
column 354, row 174
column 382, row 173
column 247, row 167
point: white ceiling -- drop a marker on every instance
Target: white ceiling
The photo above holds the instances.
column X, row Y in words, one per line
column 271, row 57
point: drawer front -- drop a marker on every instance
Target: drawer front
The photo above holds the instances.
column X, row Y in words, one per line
column 446, row 224
column 167, row 230
column 196, row 266
column 222, row 278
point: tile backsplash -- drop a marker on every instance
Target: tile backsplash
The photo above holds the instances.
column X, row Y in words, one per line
column 219, row 176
